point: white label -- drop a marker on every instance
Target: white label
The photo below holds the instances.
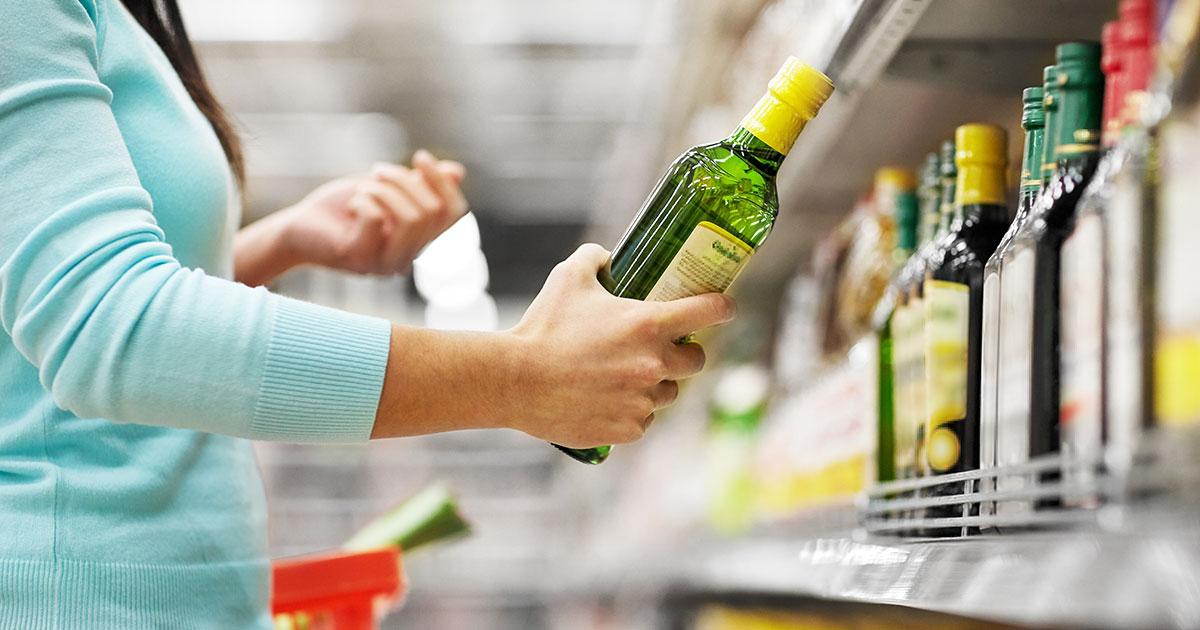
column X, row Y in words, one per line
column 709, row 261
column 1123, row 331
column 1015, row 356
column 1082, row 303
column 989, row 364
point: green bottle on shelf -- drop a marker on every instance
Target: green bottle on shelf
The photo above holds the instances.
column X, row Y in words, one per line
column 714, row 207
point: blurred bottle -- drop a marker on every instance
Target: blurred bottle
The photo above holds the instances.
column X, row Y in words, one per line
column 1086, row 273
column 1028, row 422
column 908, row 332
column 991, row 386
column 737, row 408
column 893, row 186
column 872, row 258
column 1177, row 309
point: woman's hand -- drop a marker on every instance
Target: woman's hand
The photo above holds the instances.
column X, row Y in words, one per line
column 582, row 367
column 599, row 365
column 372, row 223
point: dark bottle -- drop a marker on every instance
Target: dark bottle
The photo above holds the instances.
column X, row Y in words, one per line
column 991, row 386
column 1074, row 87
column 954, row 301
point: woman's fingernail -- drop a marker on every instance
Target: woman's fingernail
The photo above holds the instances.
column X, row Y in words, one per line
column 422, row 155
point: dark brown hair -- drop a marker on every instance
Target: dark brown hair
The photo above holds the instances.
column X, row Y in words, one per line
column 161, row 19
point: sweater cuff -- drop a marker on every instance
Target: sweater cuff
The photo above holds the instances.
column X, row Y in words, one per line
column 322, row 376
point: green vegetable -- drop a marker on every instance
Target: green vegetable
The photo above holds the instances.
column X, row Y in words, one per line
column 429, row 516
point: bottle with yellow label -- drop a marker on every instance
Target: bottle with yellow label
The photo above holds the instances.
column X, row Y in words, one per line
column 954, row 302
column 715, row 205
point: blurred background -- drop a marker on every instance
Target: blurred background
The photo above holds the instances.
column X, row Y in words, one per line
column 565, row 114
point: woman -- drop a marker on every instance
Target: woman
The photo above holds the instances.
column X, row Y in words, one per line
column 134, row 370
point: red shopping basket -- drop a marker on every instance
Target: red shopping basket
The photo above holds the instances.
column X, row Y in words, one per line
column 335, row 591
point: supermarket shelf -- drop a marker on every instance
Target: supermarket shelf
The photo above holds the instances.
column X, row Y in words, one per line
column 1132, row 561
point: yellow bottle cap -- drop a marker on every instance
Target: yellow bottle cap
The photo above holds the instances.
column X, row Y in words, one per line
column 793, row 98
column 802, row 86
column 981, row 155
column 894, row 178
column 980, row 144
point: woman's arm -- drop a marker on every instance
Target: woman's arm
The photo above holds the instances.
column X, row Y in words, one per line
column 581, row 368
column 94, row 298
column 371, row 223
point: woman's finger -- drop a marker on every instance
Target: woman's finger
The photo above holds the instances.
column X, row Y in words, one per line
column 685, row 316
column 446, row 188
column 371, row 229
column 684, row 360
column 664, row 393
column 410, row 183
column 397, row 249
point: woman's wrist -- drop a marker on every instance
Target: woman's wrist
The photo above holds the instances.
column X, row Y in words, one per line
column 264, row 249
column 444, row 381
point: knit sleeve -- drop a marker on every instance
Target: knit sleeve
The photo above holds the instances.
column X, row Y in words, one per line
column 92, row 295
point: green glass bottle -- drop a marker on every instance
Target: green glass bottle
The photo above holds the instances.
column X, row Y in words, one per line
column 893, row 195
column 908, row 328
column 715, row 205
column 1029, row 427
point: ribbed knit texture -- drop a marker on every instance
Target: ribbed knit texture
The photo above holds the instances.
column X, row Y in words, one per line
column 131, row 368
column 320, row 364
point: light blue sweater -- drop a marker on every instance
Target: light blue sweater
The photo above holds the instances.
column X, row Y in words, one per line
column 132, row 369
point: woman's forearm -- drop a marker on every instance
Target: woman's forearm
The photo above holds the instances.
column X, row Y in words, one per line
column 259, row 251
column 444, row 381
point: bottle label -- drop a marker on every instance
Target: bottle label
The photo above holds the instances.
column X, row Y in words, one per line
column 709, row 261
column 947, row 328
column 1125, row 363
column 902, row 334
column 1013, row 385
column 1177, row 351
column 1081, row 312
column 989, row 364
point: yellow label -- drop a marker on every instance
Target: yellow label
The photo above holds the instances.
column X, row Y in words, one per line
column 709, row 261
column 1176, row 373
column 947, row 327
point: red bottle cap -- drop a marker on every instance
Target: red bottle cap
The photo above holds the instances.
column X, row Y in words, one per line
column 1112, row 59
column 1137, row 43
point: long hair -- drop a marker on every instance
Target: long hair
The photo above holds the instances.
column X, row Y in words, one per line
column 161, row 19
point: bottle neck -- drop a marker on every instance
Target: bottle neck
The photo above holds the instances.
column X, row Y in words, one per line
column 1031, row 162
column 774, row 123
column 750, row 146
column 948, row 209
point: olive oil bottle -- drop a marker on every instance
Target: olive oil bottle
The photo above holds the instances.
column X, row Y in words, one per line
column 894, row 195
column 908, row 330
column 715, row 205
column 954, row 300
column 1074, row 89
column 991, row 385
